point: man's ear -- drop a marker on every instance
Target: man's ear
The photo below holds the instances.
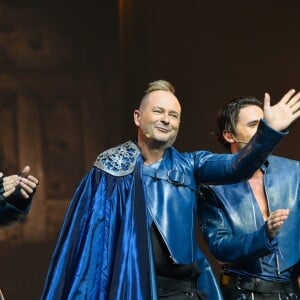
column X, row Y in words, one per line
column 137, row 116
column 228, row 137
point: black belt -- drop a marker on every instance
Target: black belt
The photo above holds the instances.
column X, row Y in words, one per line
column 258, row 285
column 176, row 284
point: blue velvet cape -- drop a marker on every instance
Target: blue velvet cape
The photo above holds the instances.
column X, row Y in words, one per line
column 103, row 248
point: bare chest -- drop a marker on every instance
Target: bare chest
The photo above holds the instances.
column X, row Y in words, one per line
column 257, row 186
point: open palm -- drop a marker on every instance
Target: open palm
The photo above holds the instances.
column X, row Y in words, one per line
column 281, row 115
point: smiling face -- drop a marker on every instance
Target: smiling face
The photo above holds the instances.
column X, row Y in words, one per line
column 158, row 118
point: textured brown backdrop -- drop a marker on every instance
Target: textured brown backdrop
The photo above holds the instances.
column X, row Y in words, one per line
column 72, row 72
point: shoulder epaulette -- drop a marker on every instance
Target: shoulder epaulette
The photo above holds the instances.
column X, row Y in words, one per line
column 119, row 160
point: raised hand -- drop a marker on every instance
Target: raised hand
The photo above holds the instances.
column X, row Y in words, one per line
column 281, row 115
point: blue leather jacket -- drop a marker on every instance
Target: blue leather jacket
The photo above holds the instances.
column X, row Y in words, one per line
column 172, row 183
column 171, row 186
column 233, row 225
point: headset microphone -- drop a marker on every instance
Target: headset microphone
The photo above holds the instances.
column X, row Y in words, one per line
column 237, row 141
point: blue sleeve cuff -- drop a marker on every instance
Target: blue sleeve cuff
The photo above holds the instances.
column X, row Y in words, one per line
column 272, row 244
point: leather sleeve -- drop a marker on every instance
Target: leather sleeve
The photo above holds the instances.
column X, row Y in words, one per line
column 222, row 242
column 230, row 168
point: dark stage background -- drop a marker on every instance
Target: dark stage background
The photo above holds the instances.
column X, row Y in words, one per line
column 71, row 73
